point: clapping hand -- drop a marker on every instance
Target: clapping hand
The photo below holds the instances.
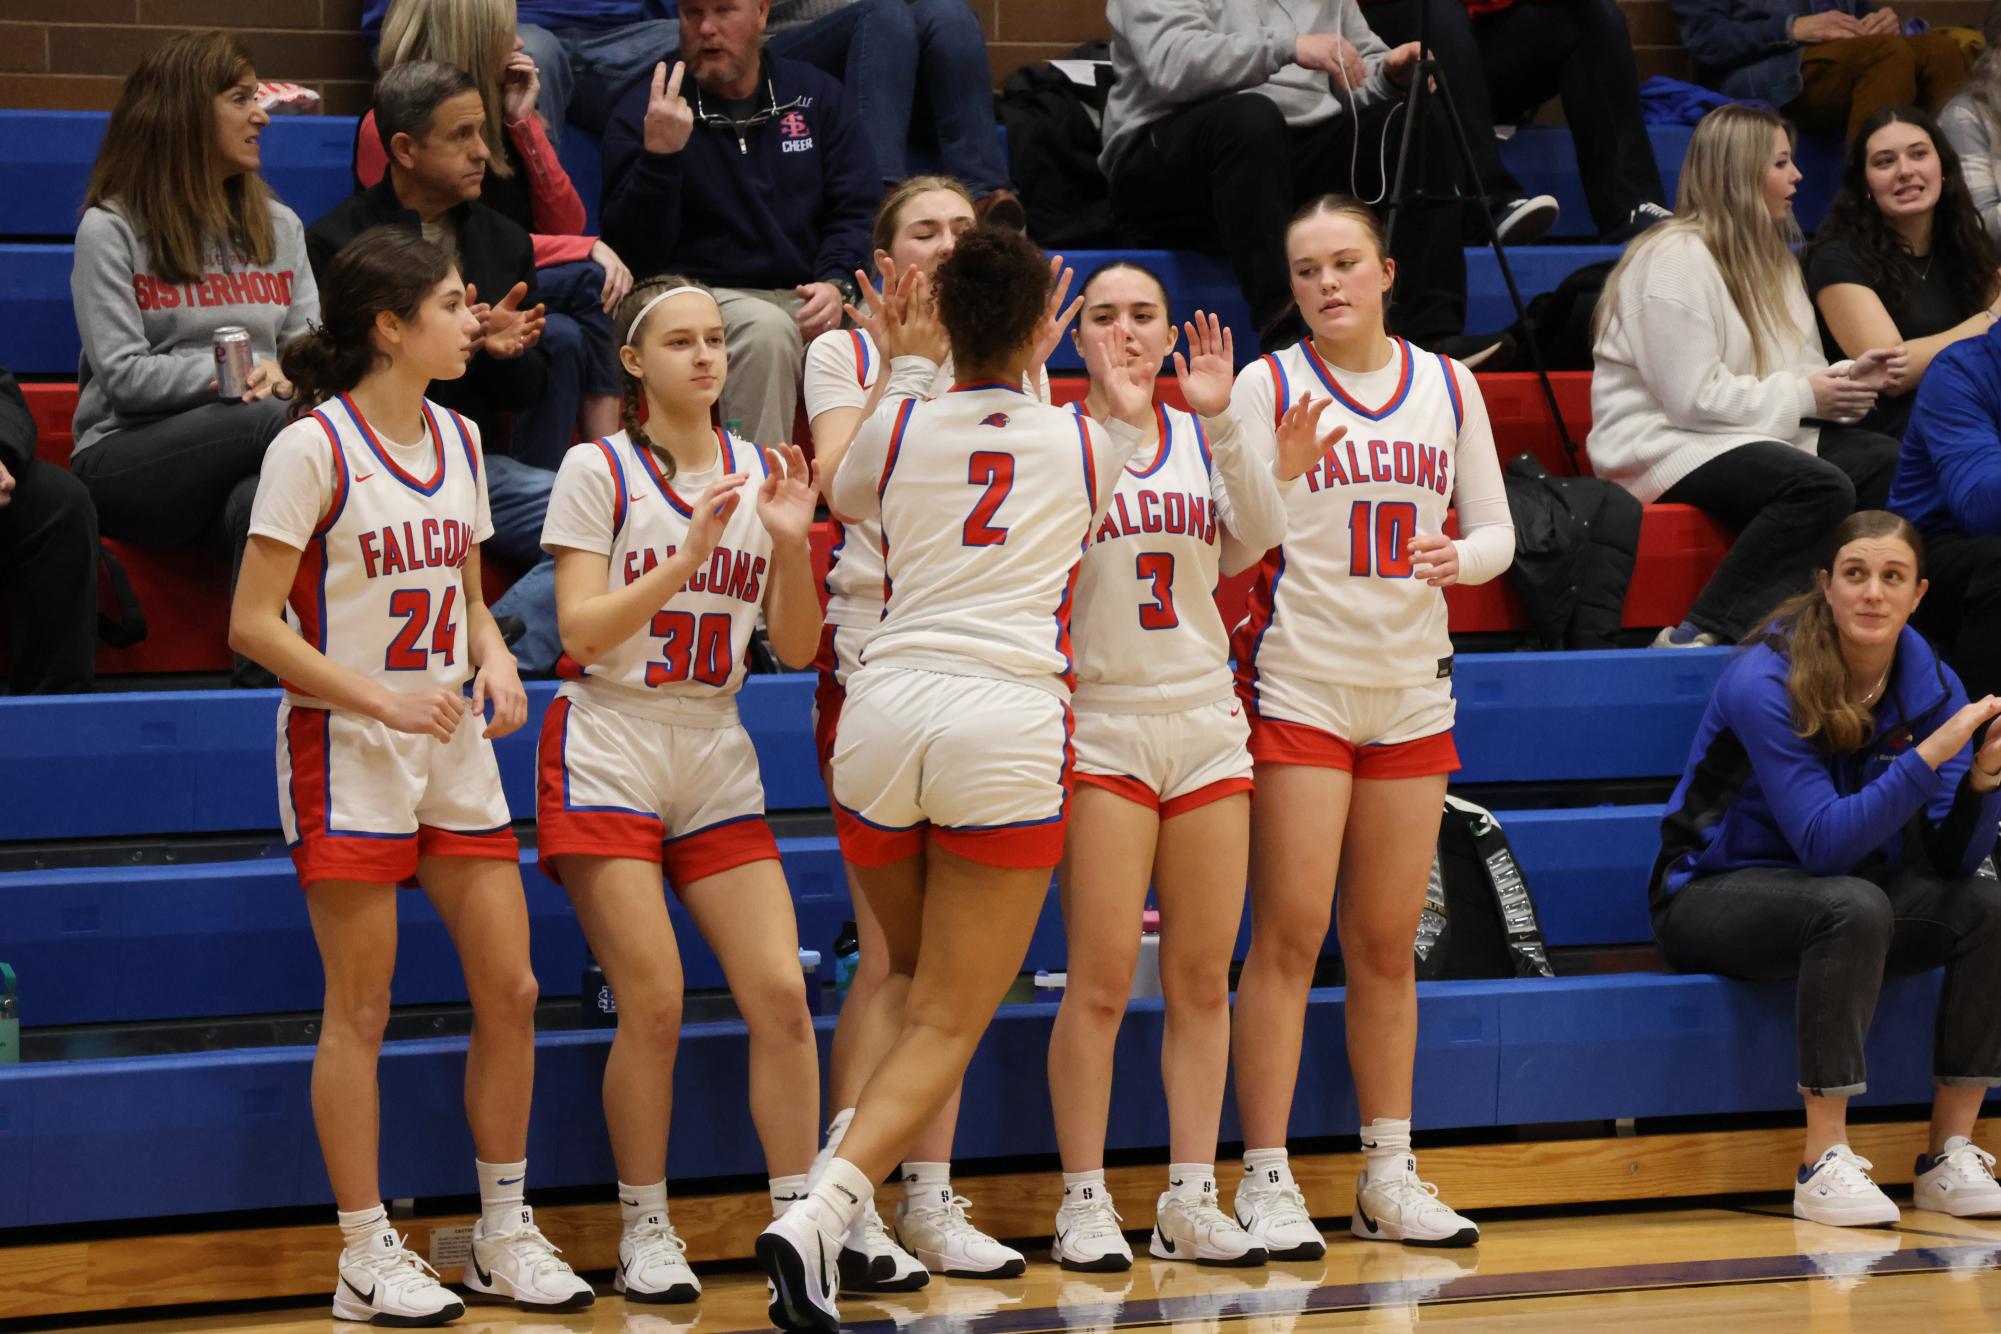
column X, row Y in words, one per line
column 1128, row 386
column 910, row 324
column 506, row 330
column 786, row 501
column 1300, row 444
column 1056, row 316
column 1208, row 372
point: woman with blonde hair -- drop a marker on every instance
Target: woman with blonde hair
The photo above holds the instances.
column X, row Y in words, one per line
column 1710, row 386
column 580, row 278
column 180, row 238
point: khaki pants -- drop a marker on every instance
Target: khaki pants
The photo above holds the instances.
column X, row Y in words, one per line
column 1849, row 81
column 767, row 358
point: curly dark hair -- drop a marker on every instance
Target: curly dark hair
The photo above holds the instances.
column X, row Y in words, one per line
column 991, row 295
column 1959, row 243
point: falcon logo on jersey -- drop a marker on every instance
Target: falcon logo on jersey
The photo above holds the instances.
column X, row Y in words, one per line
column 729, row 574
column 415, row 545
column 1153, row 512
column 994, row 419
column 1354, row 463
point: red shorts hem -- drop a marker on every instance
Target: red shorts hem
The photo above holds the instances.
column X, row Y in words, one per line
column 375, row 861
column 720, row 847
column 494, row 844
column 560, row 833
column 1207, row 794
column 1277, row 742
column 1121, row 785
column 867, row 845
column 1021, row 847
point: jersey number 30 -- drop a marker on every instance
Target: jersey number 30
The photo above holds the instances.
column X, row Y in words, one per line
column 698, row 649
column 995, row 471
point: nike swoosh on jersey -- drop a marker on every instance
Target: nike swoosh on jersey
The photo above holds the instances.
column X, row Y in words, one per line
column 363, row 476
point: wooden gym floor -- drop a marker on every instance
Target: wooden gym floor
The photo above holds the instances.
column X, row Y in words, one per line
column 1733, row 1267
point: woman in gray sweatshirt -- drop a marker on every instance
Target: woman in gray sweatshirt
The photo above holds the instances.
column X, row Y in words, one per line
column 180, row 237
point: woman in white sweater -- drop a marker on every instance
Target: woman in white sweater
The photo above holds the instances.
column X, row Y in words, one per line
column 1710, row 388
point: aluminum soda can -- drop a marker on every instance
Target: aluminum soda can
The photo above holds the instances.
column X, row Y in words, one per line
column 233, row 362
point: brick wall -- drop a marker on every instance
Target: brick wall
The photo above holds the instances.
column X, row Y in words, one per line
column 73, row 53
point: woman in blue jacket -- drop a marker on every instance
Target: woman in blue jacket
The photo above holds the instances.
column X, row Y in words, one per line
column 1836, row 817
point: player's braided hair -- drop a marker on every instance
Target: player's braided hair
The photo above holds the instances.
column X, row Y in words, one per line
column 632, row 391
column 991, row 295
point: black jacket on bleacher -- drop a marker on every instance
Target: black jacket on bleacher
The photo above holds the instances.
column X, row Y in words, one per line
column 493, row 254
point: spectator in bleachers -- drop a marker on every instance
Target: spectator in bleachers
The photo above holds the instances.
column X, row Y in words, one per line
column 1949, row 486
column 1831, row 826
column 1901, row 258
column 753, row 177
column 48, row 561
column 1972, row 122
column 1227, row 113
column 1827, row 64
column 1503, row 59
column 432, row 121
column 179, row 238
column 579, row 277
column 1710, row 388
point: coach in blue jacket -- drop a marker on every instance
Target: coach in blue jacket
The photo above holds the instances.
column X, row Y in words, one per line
column 1948, row 484
column 747, row 172
column 1836, row 818
column 1827, row 64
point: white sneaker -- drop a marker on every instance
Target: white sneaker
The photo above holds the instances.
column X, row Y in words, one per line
column 523, row 1267
column 1197, row 1230
column 800, row 1256
column 945, row 1241
column 1959, row 1181
column 1408, row 1210
column 1088, row 1239
column 653, row 1264
column 871, row 1261
column 1276, row 1218
column 389, row 1284
column 1837, row 1191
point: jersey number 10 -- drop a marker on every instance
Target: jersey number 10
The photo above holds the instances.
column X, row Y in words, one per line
column 1379, row 539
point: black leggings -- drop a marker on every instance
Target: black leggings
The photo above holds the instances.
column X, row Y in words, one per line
column 48, row 567
column 1962, row 609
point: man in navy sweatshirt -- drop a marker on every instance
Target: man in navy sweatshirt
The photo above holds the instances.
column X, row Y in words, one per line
column 1948, row 485
column 747, row 172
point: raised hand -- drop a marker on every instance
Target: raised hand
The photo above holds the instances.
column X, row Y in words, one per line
column 869, row 320
column 520, row 84
column 507, row 330
column 1208, row 371
column 1128, row 387
column 434, row 712
column 500, row 682
column 786, row 501
column 1300, row 444
column 669, row 118
column 712, row 514
column 1056, row 316
column 911, row 327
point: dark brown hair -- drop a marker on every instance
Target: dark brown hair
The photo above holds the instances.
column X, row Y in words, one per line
column 631, row 391
column 1131, row 266
column 161, row 165
column 991, row 295
column 385, row 268
column 1803, row 630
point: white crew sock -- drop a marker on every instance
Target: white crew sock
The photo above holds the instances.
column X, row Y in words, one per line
column 837, row 1130
column 502, row 1208
column 785, row 1192
column 359, row 1228
column 844, row 1190
column 927, row 1185
column 1386, row 1151
column 1192, row 1183
column 1268, row 1169
column 642, row 1204
column 1085, row 1187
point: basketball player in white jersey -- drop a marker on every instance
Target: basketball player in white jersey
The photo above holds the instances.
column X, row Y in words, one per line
column 1346, row 669
column 951, row 765
column 1163, row 769
column 366, row 529
column 915, row 229
column 669, row 536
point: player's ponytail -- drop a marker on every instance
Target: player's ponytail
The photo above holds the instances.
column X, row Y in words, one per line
column 628, row 323
column 383, row 269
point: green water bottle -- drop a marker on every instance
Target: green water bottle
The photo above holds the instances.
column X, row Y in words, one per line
column 10, row 1019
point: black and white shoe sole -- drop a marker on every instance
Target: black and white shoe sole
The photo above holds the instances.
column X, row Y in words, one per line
column 678, row 1295
column 1465, row 1236
column 1104, row 1264
column 864, row 1273
column 791, row 1307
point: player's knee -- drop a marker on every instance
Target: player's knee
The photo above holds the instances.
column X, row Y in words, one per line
column 1100, row 996
column 1196, row 987
column 1290, row 942
column 775, row 1008
column 357, row 1014
column 1381, row 956
column 509, row 1000
column 650, row 1016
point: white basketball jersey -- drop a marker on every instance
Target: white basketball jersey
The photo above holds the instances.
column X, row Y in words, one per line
column 380, row 588
column 1147, row 631
column 695, row 646
column 986, row 499
column 1337, row 601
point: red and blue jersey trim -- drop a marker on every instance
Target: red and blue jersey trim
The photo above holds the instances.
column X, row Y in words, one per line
column 972, row 385
column 864, row 357
column 429, row 488
column 1091, row 467
column 1202, row 443
column 1452, row 391
column 1341, row 395
column 890, row 456
column 1166, row 429
column 619, row 499
column 1281, row 388
column 465, row 436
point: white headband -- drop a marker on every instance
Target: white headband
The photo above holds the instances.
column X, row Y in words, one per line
column 647, row 309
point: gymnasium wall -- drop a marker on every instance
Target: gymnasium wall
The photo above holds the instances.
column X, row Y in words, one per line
column 73, row 53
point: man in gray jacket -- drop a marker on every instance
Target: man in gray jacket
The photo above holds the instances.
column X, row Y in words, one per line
column 1228, row 114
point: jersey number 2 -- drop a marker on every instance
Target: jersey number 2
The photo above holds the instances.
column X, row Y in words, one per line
column 414, row 606
column 692, row 648
column 1157, row 568
column 995, row 471
column 1383, row 542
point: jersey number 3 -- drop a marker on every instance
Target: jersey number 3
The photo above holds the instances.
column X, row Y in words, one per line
column 1157, row 568
column 692, row 648
column 414, row 606
column 995, row 471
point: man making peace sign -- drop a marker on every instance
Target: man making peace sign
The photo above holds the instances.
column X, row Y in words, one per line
column 748, row 172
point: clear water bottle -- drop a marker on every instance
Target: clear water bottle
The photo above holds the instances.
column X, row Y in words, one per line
column 600, row 1007
column 847, row 955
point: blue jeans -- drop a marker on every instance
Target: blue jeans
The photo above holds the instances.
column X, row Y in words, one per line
column 584, row 70
column 517, row 495
column 581, row 362
column 881, row 50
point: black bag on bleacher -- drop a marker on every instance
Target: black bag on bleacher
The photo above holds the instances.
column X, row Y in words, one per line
column 1479, row 920
column 1054, row 132
column 1561, row 318
column 1576, row 541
